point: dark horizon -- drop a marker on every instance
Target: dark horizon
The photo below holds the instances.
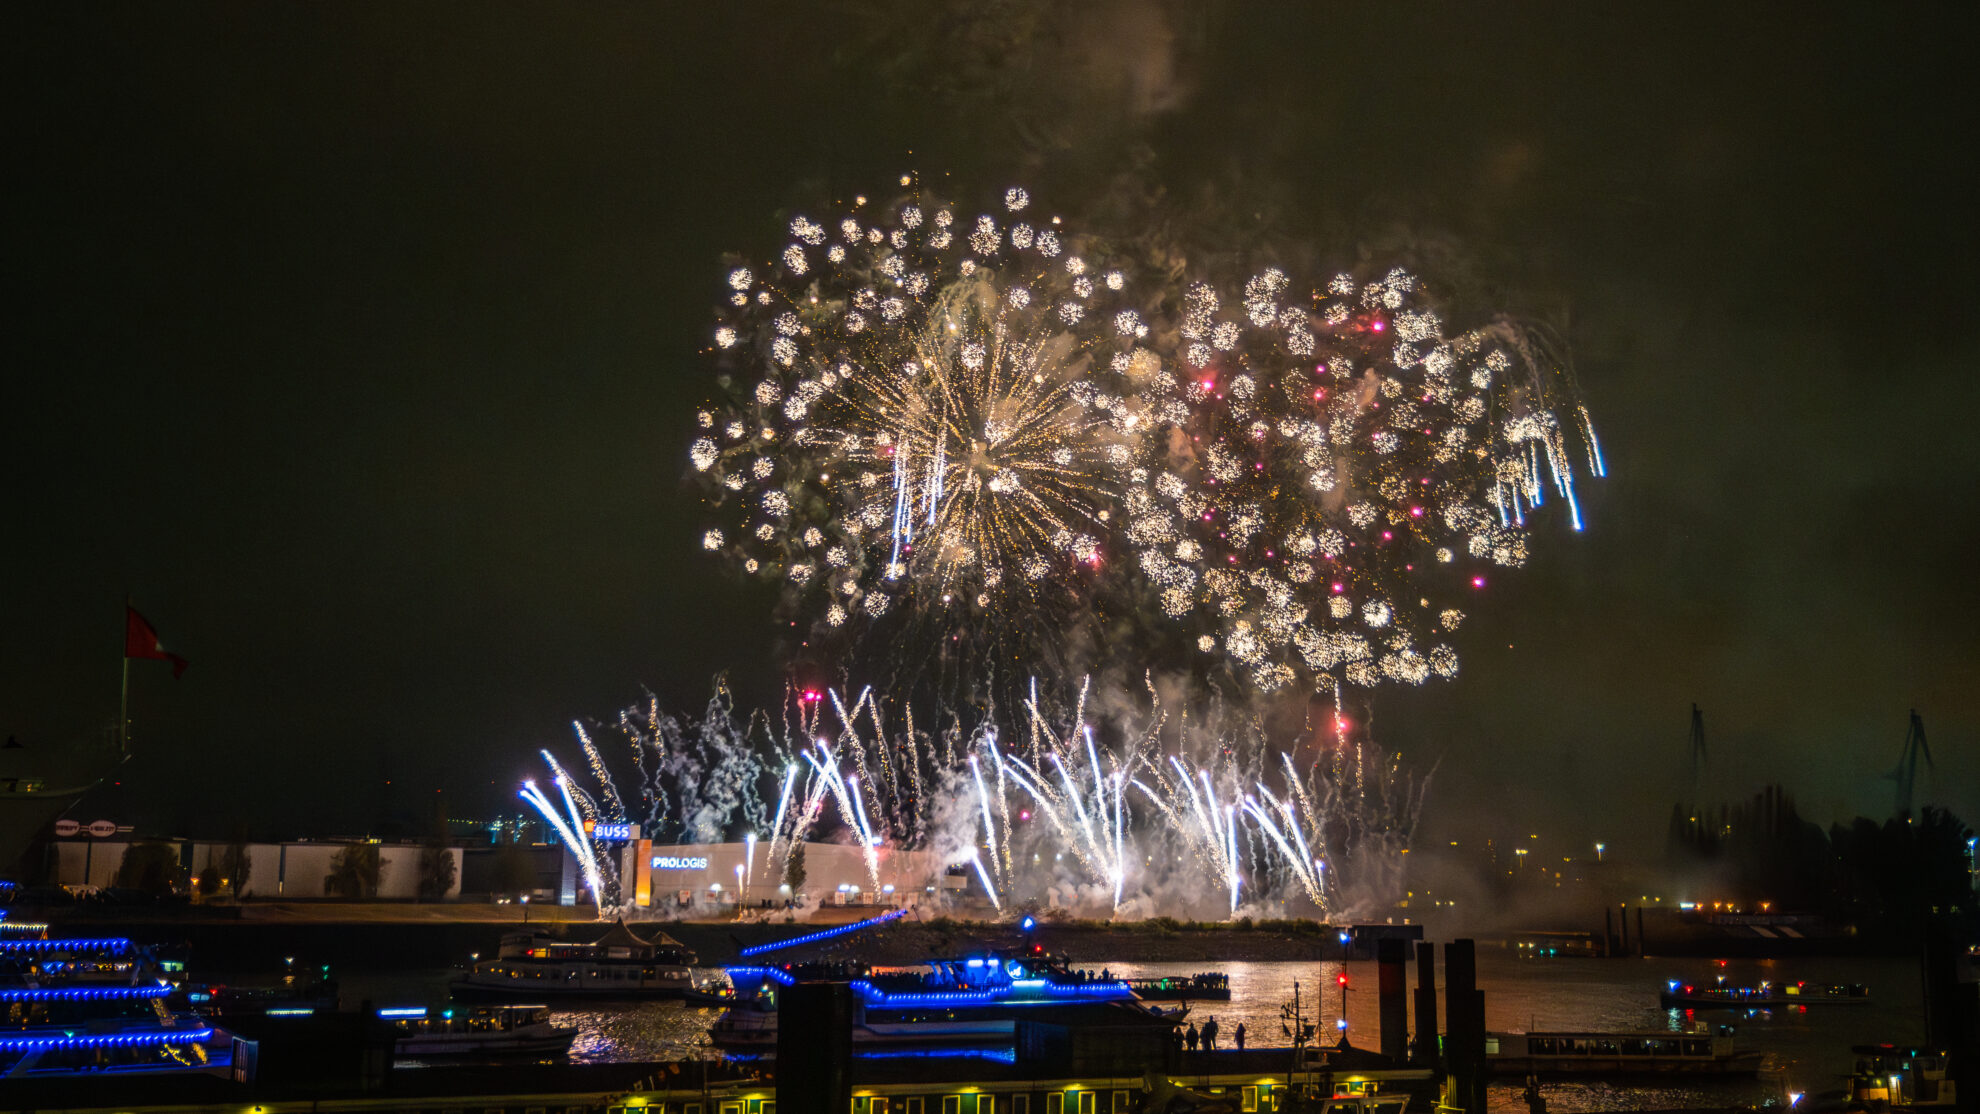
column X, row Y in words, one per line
column 360, row 347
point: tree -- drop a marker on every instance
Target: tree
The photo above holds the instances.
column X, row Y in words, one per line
column 514, row 873
column 235, row 863
column 149, row 866
column 436, row 870
column 794, row 869
column 354, row 872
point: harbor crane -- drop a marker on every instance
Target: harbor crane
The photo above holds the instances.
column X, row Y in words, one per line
column 1906, row 774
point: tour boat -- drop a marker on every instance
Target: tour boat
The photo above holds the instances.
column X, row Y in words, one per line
column 1766, row 996
column 95, row 1008
column 619, row 964
column 1648, row 1053
column 1206, row 987
column 1896, row 1077
column 513, row 1030
column 292, row 995
column 975, row 1002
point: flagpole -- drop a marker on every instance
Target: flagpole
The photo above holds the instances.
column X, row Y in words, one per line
column 124, row 700
column 124, row 713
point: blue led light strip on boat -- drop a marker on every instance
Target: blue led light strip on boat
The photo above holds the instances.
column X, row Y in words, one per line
column 84, row 994
column 99, row 944
column 826, row 934
column 995, row 1055
column 108, row 1040
column 777, row 973
column 1040, row 994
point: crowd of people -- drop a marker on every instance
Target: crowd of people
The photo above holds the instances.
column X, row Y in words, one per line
column 1191, row 1037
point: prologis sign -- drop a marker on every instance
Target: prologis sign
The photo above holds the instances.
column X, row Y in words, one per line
column 680, row 862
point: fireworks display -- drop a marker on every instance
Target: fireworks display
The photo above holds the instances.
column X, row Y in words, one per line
column 927, row 418
column 982, row 426
column 967, row 418
column 1059, row 816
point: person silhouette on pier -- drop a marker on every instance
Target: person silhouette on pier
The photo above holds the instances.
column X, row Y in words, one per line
column 1237, row 1035
column 1210, row 1035
column 1189, row 1036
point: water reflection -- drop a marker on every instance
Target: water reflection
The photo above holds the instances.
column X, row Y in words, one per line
column 1812, row 1047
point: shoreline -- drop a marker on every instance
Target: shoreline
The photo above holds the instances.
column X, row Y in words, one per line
column 442, row 935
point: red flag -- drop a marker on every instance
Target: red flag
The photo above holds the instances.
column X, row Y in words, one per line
column 140, row 641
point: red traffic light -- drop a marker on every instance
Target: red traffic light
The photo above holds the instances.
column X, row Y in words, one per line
column 1340, row 979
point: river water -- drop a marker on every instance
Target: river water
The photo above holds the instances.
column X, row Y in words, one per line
column 1810, row 1049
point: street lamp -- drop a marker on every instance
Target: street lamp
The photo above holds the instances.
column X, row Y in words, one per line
column 1341, row 980
column 1521, row 852
column 1599, row 848
column 525, row 905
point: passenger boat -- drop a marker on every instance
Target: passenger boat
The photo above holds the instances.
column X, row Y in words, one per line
column 1641, row 1053
column 1207, row 987
column 512, row 1030
column 1896, row 1077
column 709, row 993
column 1765, row 996
column 292, row 995
column 95, row 1008
column 619, row 964
column 973, row 1002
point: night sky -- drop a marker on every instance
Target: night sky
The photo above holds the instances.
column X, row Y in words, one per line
column 359, row 343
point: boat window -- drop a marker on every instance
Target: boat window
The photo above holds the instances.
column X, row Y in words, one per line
column 914, row 1106
column 1697, row 1048
column 1087, row 1102
column 1635, row 1048
column 986, row 1104
column 1249, row 1100
column 1053, row 1101
column 1605, row 1048
column 736, row 1107
column 1491, row 1046
column 1120, row 1102
column 1020, row 1104
column 1541, row 1046
column 769, row 1106
column 951, row 1104
column 878, row 1105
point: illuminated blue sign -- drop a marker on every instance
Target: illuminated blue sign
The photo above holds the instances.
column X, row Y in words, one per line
column 679, row 862
column 615, row 831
